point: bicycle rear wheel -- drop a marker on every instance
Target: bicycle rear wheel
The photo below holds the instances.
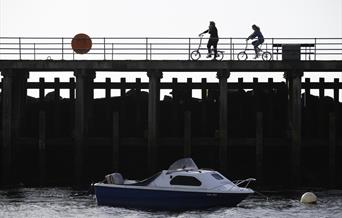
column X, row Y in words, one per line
column 267, row 56
column 195, row 55
column 242, row 56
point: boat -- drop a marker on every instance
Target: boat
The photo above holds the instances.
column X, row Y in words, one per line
column 182, row 187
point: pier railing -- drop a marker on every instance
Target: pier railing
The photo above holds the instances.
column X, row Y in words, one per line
column 159, row 48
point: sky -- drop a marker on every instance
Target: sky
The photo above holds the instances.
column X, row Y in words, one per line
column 170, row 18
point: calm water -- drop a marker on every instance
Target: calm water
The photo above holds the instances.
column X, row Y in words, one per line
column 63, row 202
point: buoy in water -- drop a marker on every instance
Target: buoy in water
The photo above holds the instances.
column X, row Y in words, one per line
column 308, row 198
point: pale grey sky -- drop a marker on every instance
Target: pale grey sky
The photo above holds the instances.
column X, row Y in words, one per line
column 111, row 18
column 165, row 18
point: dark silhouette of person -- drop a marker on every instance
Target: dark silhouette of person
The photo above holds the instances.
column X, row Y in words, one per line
column 260, row 39
column 213, row 39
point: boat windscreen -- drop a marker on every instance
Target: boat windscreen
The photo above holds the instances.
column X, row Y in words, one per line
column 183, row 164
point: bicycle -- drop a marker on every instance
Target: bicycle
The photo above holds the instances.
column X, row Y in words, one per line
column 266, row 56
column 195, row 55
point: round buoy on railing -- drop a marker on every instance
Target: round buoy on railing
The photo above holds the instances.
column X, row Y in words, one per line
column 81, row 43
column 308, row 198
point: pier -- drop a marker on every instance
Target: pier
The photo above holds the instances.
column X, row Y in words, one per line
column 273, row 132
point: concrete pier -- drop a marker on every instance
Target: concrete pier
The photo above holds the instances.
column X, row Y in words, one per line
column 153, row 113
column 84, row 96
column 13, row 103
column 223, row 75
column 194, row 140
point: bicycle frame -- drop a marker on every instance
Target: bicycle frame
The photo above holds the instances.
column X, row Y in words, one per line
column 199, row 46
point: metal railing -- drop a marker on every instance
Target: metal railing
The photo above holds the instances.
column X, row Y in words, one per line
column 157, row 48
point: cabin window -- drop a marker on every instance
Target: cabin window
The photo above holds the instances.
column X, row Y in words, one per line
column 185, row 180
column 217, row 176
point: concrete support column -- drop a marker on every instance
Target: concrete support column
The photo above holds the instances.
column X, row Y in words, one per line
column 293, row 80
column 153, row 112
column 13, row 102
column 223, row 75
column 295, row 124
column 84, row 96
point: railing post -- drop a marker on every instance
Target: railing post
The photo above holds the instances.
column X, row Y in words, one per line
column 19, row 48
column 146, row 41
column 34, row 51
column 62, row 48
column 272, row 47
column 104, row 48
column 230, row 47
column 189, row 49
column 315, row 48
column 150, row 51
column 112, row 51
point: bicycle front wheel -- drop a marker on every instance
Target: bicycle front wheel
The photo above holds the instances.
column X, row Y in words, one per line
column 242, row 56
column 195, row 55
column 267, row 56
column 219, row 55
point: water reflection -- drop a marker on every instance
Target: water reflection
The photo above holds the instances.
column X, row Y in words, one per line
column 65, row 202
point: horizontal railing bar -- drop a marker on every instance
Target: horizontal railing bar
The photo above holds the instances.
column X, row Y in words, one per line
column 159, row 47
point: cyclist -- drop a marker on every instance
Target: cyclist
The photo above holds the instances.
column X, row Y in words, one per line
column 213, row 39
column 256, row 34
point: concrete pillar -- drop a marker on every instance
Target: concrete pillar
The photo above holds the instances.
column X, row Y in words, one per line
column 259, row 138
column 187, row 134
column 13, row 102
column 153, row 112
column 223, row 75
column 296, row 126
column 84, row 96
column 293, row 80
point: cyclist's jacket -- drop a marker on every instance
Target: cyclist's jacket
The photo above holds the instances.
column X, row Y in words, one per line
column 212, row 31
column 258, row 34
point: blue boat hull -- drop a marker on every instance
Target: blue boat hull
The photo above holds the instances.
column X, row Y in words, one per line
column 164, row 200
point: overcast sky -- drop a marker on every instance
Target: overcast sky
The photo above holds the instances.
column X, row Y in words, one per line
column 165, row 18
column 110, row 18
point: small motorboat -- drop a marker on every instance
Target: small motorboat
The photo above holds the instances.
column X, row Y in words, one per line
column 182, row 187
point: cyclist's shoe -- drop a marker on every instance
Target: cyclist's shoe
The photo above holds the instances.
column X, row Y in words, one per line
column 256, row 56
column 209, row 56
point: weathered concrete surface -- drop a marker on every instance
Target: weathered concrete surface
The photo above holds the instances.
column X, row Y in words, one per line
column 171, row 65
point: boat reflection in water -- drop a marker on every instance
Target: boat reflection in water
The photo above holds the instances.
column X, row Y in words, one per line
column 182, row 187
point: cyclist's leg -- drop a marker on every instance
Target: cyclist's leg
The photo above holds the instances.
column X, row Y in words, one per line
column 255, row 44
column 210, row 43
column 215, row 41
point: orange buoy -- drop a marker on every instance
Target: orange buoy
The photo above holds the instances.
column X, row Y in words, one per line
column 81, row 43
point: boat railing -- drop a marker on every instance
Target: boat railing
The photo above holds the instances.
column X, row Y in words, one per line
column 247, row 181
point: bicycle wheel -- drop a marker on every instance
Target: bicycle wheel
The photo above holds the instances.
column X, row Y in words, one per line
column 219, row 56
column 195, row 55
column 267, row 56
column 242, row 56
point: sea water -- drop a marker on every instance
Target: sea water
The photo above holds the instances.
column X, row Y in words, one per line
column 66, row 202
